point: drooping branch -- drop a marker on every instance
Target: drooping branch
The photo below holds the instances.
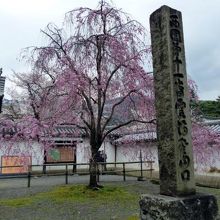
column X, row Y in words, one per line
column 126, row 124
column 113, row 109
column 90, row 108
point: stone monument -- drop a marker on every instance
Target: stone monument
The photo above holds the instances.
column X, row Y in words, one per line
column 178, row 198
column 2, row 86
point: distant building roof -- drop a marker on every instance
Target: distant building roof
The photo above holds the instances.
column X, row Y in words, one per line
column 142, row 136
column 213, row 124
column 137, row 137
column 68, row 130
column 60, row 131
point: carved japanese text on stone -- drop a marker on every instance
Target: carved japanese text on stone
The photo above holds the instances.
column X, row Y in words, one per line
column 172, row 104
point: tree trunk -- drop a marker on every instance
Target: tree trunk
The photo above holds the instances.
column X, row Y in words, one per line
column 93, row 174
column 45, row 160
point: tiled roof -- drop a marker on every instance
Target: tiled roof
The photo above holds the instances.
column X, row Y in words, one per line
column 138, row 137
column 68, row 130
column 213, row 124
column 60, row 130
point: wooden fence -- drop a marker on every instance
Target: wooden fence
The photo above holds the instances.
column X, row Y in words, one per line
column 66, row 169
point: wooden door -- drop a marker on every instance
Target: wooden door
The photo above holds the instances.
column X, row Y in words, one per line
column 61, row 154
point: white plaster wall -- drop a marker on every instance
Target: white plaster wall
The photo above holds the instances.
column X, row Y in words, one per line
column 217, row 160
column 83, row 152
column 209, row 158
column 130, row 153
column 36, row 151
column 37, row 154
column 124, row 153
column 109, row 150
column 33, row 149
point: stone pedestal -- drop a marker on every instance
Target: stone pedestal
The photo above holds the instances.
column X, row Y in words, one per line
column 196, row 207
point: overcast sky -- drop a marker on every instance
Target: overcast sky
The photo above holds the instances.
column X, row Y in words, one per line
column 21, row 21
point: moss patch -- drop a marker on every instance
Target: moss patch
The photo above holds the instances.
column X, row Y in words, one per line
column 76, row 193
column 133, row 217
column 16, row 202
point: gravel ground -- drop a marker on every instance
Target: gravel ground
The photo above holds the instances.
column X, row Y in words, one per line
column 50, row 210
column 44, row 210
column 49, row 181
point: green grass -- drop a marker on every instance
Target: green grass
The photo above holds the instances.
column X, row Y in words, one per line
column 119, row 202
column 16, row 202
column 76, row 193
column 81, row 193
column 134, row 217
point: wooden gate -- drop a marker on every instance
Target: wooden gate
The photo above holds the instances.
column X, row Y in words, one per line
column 61, row 154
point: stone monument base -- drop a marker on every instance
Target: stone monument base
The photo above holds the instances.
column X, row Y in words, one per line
column 195, row 207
